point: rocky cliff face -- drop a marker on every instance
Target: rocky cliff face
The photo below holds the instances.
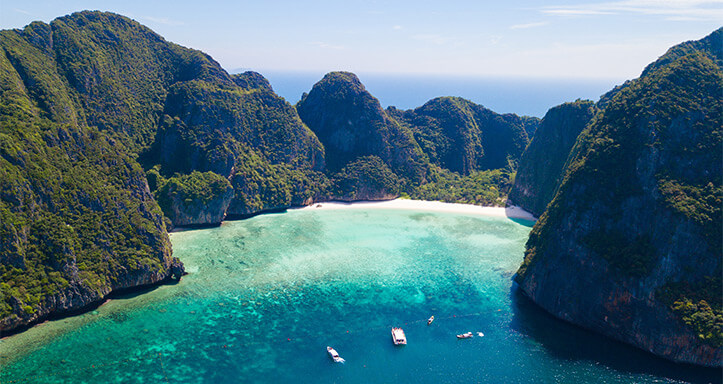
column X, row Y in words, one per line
column 543, row 162
column 465, row 137
column 173, row 107
column 351, row 123
column 83, row 101
column 630, row 246
column 195, row 199
column 209, row 125
column 448, row 141
column 77, row 219
column 366, row 178
column 249, row 135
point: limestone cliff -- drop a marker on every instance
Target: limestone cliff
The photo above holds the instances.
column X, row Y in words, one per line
column 366, row 178
column 630, row 246
column 543, row 162
column 351, row 123
column 77, row 219
column 464, row 137
column 195, row 199
column 448, row 149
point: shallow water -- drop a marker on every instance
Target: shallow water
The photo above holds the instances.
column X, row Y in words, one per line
column 265, row 296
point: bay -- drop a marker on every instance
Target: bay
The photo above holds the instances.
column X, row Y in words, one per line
column 265, row 296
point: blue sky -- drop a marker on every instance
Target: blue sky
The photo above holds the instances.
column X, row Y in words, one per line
column 558, row 39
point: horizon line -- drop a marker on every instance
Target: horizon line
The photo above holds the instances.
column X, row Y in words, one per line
column 322, row 72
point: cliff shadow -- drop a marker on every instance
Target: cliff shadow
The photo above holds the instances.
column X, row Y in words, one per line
column 520, row 216
column 123, row 293
column 565, row 341
column 525, row 222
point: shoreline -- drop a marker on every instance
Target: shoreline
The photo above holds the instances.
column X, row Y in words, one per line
column 512, row 212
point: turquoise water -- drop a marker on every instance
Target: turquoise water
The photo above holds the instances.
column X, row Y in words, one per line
column 265, row 296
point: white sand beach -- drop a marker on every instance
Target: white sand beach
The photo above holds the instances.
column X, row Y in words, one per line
column 512, row 212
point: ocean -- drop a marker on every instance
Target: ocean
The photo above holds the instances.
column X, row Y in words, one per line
column 523, row 96
column 266, row 295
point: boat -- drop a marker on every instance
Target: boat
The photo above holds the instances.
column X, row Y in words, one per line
column 398, row 336
column 480, row 334
column 465, row 335
column 334, row 355
column 431, row 319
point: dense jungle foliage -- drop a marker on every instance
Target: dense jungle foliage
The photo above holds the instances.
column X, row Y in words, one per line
column 75, row 211
column 657, row 142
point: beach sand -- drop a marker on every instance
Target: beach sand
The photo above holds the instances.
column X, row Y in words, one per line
column 512, row 212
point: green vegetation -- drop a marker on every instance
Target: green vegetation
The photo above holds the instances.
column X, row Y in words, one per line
column 82, row 101
column 480, row 188
column 542, row 164
column 194, row 188
column 99, row 115
column 607, row 155
column 645, row 181
column 365, row 178
column 450, row 149
column 464, row 137
column 351, row 123
column 700, row 203
column 712, row 45
column 74, row 209
column 209, row 126
column 119, row 71
column 260, row 186
column 74, row 212
column 700, row 306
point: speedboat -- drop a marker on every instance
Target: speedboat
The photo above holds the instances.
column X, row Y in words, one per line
column 431, row 319
column 398, row 336
column 334, row 355
column 465, row 335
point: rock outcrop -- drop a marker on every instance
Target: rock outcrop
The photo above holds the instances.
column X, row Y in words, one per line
column 543, row 162
column 351, row 123
column 448, row 141
column 366, row 178
column 77, row 219
column 465, row 137
column 197, row 199
column 631, row 246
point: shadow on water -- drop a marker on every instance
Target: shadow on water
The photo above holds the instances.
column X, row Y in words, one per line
column 523, row 222
column 123, row 293
column 130, row 293
column 580, row 344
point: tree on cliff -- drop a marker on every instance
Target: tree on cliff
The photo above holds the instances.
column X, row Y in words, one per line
column 630, row 245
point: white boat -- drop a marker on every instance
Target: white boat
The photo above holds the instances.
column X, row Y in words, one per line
column 465, row 335
column 334, row 355
column 431, row 319
column 398, row 336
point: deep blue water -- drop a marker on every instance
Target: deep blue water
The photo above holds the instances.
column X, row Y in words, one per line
column 531, row 97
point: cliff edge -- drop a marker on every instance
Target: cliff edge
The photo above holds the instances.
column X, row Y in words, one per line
column 630, row 246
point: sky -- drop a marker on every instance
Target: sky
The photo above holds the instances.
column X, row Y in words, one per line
column 514, row 38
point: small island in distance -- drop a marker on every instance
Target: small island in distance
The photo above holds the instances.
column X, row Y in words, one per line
column 111, row 136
